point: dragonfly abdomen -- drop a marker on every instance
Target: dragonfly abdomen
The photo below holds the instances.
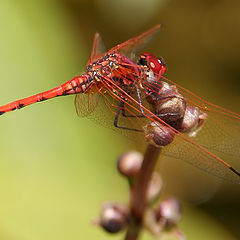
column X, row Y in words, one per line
column 77, row 85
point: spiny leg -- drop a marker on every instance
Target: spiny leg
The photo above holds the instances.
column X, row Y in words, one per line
column 120, row 109
column 140, row 99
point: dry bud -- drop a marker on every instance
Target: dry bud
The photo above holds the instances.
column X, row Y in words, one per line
column 192, row 121
column 114, row 217
column 129, row 164
column 167, row 102
column 169, row 212
column 158, row 134
column 172, row 109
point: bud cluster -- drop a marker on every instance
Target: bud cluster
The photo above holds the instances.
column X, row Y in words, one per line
column 171, row 107
column 115, row 217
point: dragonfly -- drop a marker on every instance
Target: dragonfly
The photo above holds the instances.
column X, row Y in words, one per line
column 124, row 92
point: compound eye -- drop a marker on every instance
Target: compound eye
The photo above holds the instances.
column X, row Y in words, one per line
column 163, row 67
column 152, row 66
column 157, row 65
column 161, row 61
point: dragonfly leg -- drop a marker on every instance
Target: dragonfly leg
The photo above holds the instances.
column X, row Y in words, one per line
column 140, row 105
column 120, row 109
column 140, row 99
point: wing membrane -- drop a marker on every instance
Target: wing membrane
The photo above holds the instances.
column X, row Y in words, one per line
column 98, row 48
column 192, row 151
column 136, row 44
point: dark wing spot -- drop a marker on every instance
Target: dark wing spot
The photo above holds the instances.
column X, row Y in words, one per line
column 234, row 170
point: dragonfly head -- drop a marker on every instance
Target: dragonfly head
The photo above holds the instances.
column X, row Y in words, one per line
column 157, row 65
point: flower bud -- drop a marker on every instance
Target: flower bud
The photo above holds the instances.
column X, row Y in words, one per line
column 129, row 164
column 169, row 212
column 193, row 120
column 173, row 108
column 114, row 217
column 158, row 134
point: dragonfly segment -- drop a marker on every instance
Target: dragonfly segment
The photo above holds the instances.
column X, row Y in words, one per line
column 78, row 84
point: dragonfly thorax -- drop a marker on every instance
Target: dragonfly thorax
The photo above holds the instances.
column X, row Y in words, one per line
column 114, row 69
column 102, row 66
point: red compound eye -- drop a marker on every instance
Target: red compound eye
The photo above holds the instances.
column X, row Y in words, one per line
column 163, row 66
column 157, row 65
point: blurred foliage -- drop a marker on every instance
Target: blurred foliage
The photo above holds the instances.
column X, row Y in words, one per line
column 56, row 169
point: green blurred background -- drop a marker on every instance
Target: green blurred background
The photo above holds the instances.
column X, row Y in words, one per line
column 55, row 168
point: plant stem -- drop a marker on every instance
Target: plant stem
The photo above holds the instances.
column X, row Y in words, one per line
column 138, row 199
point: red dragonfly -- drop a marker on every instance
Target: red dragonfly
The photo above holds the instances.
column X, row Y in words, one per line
column 121, row 93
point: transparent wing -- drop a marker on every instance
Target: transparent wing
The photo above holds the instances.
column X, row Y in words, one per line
column 133, row 45
column 128, row 48
column 85, row 104
column 221, row 131
column 183, row 147
column 214, row 150
column 105, row 112
column 219, row 162
column 97, row 48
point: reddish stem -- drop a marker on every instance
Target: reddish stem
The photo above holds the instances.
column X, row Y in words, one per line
column 138, row 201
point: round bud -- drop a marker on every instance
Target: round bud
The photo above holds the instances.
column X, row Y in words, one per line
column 192, row 121
column 129, row 163
column 169, row 212
column 114, row 217
column 172, row 109
column 158, row 134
